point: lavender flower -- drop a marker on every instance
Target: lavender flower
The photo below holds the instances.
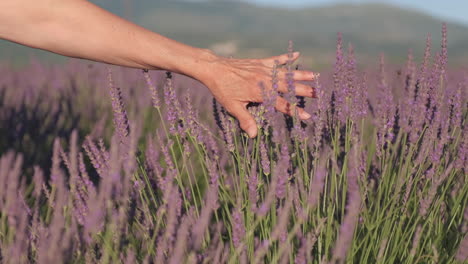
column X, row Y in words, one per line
column 205, row 216
column 346, row 232
column 427, row 200
column 173, row 105
column 270, row 95
column 252, row 183
column 421, row 93
column 416, row 239
column 152, row 161
column 281, row 227
column 166, row 240
column 291, row 94
column 238, row 229
column 181, row 242
column 265, row 159
column 385, row 112
column 319, row 116
column 153, row 90
column 456, row 109
column 171, row 169
column 84, row 175
column 350, row 88
column 96, row 157
column 118, row 107
column 301, row 253
column 462, row 252
column 444, row 50
column 317, row 183
column 281, row 171
column 227, row 125
column 338, row 79
column 38, row 179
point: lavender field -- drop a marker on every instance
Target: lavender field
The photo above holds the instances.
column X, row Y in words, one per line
column 101, row 164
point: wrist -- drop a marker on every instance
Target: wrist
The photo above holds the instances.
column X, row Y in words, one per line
column 204, row 63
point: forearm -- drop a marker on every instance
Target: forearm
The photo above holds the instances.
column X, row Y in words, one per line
column 80, row 29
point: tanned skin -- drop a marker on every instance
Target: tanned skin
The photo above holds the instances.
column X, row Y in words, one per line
column 80, row 29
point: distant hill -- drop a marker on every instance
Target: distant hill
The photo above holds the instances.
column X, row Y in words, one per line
column 244, row 29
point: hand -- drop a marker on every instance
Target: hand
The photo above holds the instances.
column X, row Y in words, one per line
column 234, row 83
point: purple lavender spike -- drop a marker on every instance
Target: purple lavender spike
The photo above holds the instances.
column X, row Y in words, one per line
column 419, row 111
column 385, row 111
column 181, row 241
column 265, row 159
column 118, row 107
column 436, row 182
column 281, row 172
column 269, row 197
column 191, row 118
column 281, row 228
column 296, row 193
column 213, row 172
column 444, row 52
column 301, row 253
column 38, row 179
column 270, row 95
column 171, row 169
column 349, row 90
column 252, row 182
column 84, row 174
column 171, row 99
column 95, row 155
column 416, row 239
column 346, row 232
column 317, row 182
column 319, row 115
column 461, row 159
column 227, row 131
column 462, row 252
column 205, row 216
column 455, row 118
column 153, row 90
column 238, row 228
column 338, row 77
column 210, row 143
column 291, row 94
column 409, row 98
column 152, row 162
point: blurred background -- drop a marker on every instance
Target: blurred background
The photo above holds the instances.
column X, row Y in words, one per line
column 258, row 28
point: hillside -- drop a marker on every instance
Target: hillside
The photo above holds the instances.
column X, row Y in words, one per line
column 246, row 30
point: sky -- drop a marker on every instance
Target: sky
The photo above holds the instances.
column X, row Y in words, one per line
column 449, row 10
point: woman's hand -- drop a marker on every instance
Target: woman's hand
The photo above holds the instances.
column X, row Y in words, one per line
column 235, row 83
column 56, row 25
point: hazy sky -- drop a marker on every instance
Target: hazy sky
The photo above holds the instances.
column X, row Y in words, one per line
column 450, row 10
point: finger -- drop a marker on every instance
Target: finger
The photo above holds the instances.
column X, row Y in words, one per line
column 298, row 75
column 281, row 59
column 246, row 120
column 305, row 90
column 300, row 89
column 285, row 107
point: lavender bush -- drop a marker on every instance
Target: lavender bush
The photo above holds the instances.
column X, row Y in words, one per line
column 377, row 175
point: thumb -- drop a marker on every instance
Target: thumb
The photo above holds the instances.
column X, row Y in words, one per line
column 246, row 120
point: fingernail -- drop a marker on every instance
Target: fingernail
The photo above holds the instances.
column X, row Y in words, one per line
column 314, row 93
column 305, row 115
